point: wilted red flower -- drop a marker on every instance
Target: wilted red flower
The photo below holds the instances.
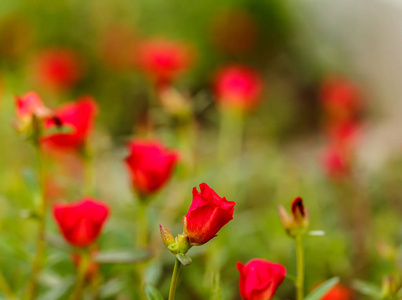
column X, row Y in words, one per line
column 338, row 292
column 238, row 87
column 58, row 68
column 208, row 213
column 259, row 279
column 150, row 165
column 336, row 162
column 77, row 117
column 340, row 97
column 82, row 222
column 163, row 60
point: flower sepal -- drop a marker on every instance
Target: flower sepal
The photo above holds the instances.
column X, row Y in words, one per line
column 179, row 245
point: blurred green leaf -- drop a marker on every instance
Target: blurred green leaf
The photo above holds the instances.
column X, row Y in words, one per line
column 58, row 242
column 122, row 256
column 367, row 288
column 184, row 259
column 216, row 286
column 322, row 289
column 151, row 292
column 59, row 290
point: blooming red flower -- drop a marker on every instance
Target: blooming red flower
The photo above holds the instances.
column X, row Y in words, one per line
column 78, row 117
column 150, row 165
column 82, row 222
column 58, row 68
column 338, row 292
column 259, row 279
column 208, row 213
column 163, row 60
column 238, row 87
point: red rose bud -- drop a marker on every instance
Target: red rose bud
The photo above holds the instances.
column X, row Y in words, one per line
column 208, row 213
column 259, row 279
column 338, row 292
column 82, row 222
column 295, row 224
column 78, row 117
column 58, row 68
column 150, row 165
column 163, row 60
column 238, row 87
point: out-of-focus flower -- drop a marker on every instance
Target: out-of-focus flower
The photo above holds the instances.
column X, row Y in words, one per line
column 338, row 292
column 82, row 222
column 336, row 162
column 344, row 133
column 340, row 98
column 296, row 223
column 163, row 60
column 78, row 117
column 92, row 268
column 57, row 68
column 208, row 213
column 238, row 87
column 259, row 279
column 150, row 165
column 234, row 31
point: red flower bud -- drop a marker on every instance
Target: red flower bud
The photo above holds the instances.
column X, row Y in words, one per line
column 28, row 105
column 58, row 68
column 208, row 213
column 338, row 292
column 238, row 87
column 82, row 222
column 79, row 117
column 295, row 224
column 150, row 165
column 259, row 279
column 163, row 60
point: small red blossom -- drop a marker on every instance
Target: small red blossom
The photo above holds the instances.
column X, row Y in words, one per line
column 208, row 213
column 58, row 68
column 336, row 162
column 77, row 117
column 259, row 279
column 338, row 292
column 163, row 60
column 28, row 105
column 238, row 87
column 81, row 223
column 150, row 165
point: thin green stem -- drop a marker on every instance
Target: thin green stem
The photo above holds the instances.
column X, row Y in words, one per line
column 300, row 267
column 142, row 223
column 81, row 272
column 175, row 277
column 37, row 263
column 89, row 174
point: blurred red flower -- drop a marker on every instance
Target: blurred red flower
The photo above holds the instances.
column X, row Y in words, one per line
column 238, row 87
column 338, row 292
column 336, row 162
column 82, row 222
column 76, row 116
column 345, row 132
column 163, row 60
column 259, row 279
column 150, row 165
column 28, row 105
column 58, row 68
column 340, row 97
column 93, row 266
column 208, row 213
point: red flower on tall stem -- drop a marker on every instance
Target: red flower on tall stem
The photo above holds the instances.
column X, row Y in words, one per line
column 81, row 223
column 150, row 165
column 238, row 87
column 259, row 279
column 163, row 60
column 208, row 213
column 77, row 117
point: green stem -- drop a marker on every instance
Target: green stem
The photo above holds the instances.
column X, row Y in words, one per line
column 5, row 288
column 89, row 174
column 81, row 272
column 37, row 263
column 300, row 267
column 175, row 277
column 142, row 223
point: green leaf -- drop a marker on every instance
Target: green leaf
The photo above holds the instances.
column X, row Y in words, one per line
column 122, row 256
column 216, row 286
column 184, row 259
column 322, row 289
column 151, row 292
column 367, row 288
column 291, row 277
